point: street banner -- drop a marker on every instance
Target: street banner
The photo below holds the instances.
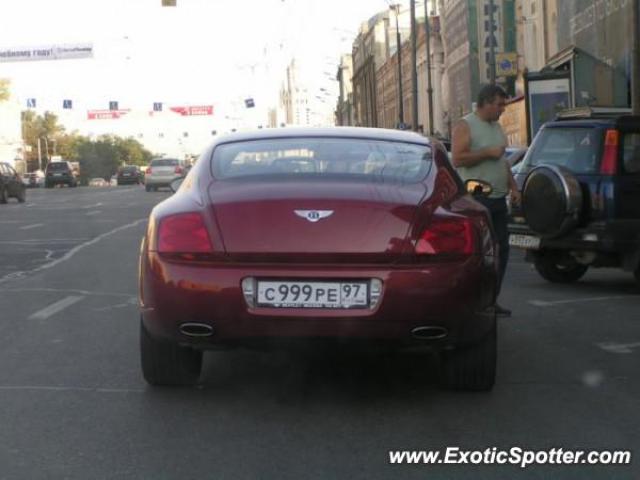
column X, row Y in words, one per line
column 194, row 110
column 67, row 51
column 105, row 114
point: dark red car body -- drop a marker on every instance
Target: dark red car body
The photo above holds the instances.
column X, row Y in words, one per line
column 196, row 301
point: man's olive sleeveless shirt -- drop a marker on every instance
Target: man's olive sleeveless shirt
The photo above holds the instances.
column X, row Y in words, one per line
column 487, row 134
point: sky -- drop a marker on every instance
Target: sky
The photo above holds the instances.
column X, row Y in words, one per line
column 202, row 52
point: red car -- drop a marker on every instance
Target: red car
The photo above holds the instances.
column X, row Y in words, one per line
column 339, row 233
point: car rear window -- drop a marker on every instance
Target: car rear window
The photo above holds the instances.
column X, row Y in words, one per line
column 577, row 149
column 165, row 162
column 323, row 158
column 129, row 169
column 58, row 166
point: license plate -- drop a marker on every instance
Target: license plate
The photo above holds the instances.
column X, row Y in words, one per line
column 313, row 294
column 126, row 175
column 524, row 241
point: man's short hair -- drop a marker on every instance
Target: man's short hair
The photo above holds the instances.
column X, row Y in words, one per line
column 488, row 94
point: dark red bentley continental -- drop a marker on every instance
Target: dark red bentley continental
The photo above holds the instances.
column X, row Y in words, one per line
column 341, row 233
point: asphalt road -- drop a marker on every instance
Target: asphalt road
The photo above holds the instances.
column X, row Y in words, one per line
column 73, row 403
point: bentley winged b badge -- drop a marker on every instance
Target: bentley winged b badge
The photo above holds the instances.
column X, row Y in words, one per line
column 313, row 215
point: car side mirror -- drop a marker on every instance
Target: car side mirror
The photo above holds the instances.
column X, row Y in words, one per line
column 478, row 187
column 175, row 184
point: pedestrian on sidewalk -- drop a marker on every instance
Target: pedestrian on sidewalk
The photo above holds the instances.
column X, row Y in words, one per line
column 478, row 147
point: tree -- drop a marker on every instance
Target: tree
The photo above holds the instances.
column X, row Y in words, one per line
column 45, row 128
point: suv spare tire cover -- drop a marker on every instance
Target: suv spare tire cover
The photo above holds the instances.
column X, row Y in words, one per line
column 551, row 200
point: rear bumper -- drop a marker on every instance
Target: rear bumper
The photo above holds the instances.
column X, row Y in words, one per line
column 455, row 296
column 159, row 181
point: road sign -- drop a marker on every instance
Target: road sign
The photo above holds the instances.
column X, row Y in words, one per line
column 506, row 64
column 157, row 106
column 249, row 103
column 68, row 104
column 105, row 114
column 31, row 103
column 113, row 105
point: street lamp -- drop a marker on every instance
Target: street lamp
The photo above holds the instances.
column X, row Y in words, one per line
column 396, row 9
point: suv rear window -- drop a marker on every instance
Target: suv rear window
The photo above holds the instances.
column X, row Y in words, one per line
column 577, row 149
column 58, row 166
column 165, row 162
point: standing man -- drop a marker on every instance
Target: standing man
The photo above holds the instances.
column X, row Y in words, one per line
column 478, row 146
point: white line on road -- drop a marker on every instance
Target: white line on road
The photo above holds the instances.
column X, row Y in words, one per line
column 29, row 227
column 55, row 307
column 545, row 303
column 93, row 213
column 70, row 253
column 621, row 348
column 87, row 207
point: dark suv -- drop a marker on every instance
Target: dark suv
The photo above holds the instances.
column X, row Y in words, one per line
column 580, row 184
column 60, row 173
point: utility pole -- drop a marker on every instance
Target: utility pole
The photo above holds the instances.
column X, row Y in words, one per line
column 396, row 8
column 492, row 47
column 414, row 71
column 635, row 57
column 427, row 32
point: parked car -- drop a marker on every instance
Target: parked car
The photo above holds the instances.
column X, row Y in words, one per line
column 128, row 174
column 580, row 183
column 340, row 234
column 11, row 185
column 33, row 179
column 60, row 173
column 162, row 171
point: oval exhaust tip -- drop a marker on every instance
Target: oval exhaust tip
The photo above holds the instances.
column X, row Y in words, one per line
column 193, row 329
column 429, row 333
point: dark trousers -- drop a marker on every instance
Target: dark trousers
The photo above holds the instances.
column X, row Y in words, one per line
column 500, row 218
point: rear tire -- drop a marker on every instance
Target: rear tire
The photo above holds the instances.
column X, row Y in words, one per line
column 165, row 363
column 147, row 188
column 22, row 196
column 559, row 269
column 3, row 194
column 472, row 368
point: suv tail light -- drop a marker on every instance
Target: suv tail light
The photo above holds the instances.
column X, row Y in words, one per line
column 178, row 170
column 609, row 165
column 148, row 171
column 450, row 235
column 183, row 233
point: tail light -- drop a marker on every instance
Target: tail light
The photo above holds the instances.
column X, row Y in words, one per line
column 183, row 233
column 451, row 235
column 609, row 165
column 178, row 170
column 148, row 171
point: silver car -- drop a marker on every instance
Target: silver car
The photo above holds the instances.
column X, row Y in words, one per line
column 162, row 171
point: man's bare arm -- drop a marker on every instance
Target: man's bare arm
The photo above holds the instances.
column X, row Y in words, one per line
column 461, row 154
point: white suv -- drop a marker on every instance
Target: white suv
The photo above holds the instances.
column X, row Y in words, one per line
column 162, row 171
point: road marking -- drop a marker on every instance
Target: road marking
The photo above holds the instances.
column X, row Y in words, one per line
column 130, row 298
column 87, row 207
column 70, row 253
column 621, row 348
column 93, row 213
column 29, row 227
column 545, row 303
column 55, row 307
